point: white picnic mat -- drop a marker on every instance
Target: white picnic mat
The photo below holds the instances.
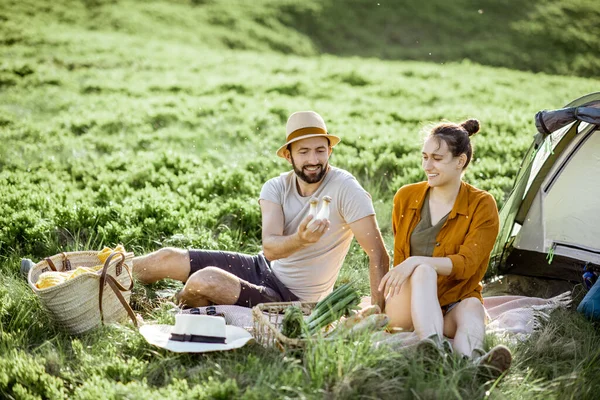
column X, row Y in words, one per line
column 519, row 316
column 513, row 316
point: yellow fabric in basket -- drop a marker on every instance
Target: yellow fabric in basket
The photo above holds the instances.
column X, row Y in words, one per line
column 82, row 270
column 105, row 252
column 50, row 278
column 53, row 278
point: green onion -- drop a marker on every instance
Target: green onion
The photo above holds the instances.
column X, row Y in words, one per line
column 331, row 308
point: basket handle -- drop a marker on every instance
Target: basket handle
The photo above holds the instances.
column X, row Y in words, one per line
column 51, row 264
column 115, row 286
column 66, row 263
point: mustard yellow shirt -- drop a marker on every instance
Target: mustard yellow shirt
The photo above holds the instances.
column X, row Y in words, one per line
column 467, row 237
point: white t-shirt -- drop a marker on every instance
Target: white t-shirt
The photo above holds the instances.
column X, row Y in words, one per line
column 311, row 272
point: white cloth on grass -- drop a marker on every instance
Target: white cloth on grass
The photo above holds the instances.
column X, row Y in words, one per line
column 515, row 316
column 512, row 317
column 518, row 316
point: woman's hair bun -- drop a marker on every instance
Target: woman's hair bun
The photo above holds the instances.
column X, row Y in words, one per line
column 471, row 126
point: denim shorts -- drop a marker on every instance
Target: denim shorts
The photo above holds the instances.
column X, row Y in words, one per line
column 448, row 307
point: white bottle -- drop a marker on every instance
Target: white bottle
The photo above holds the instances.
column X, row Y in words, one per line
column 324, row 211
column 313, row 211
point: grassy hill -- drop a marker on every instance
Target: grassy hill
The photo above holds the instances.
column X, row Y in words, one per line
column 155, row 123
column 557, row 37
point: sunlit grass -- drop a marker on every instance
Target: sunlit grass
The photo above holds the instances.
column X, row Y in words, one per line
column 140, row 125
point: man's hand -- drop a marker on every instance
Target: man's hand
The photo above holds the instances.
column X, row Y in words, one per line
column 392, row 281
column 275, row 244
column 314, row 233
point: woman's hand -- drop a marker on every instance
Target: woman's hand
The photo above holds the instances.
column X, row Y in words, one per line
column 392, row 281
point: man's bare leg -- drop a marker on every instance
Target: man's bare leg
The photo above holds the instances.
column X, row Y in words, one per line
column 168, row 262
column 204, row 287
column 210, row 285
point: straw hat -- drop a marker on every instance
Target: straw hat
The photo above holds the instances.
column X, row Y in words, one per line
column 304, row 125
column 193, row 333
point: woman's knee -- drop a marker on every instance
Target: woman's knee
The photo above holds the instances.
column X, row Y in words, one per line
column 423, row 274
column 469, row 310
column 474, row 305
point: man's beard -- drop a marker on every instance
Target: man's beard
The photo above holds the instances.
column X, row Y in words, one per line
column 310, row 178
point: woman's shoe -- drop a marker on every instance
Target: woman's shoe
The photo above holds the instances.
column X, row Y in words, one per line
column 431, row 347
column 496, row 361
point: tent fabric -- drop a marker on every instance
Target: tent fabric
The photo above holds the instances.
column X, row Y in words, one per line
column 555, row 144
column 522, row 196
column 535, row 264
column 542, row 165
column 571, row 204
column 564, row 206
column 509, row 212
column 550, row 121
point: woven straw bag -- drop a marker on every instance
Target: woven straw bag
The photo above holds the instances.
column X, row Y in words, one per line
column 81, row 303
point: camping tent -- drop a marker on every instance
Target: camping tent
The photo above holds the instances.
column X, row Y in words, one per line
column 550, row 223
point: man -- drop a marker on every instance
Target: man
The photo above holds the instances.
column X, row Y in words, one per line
column 300, row 262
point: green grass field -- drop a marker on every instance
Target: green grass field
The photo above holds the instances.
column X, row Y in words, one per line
column 155, row 124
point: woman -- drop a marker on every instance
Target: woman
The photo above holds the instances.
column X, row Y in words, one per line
column 444, row 231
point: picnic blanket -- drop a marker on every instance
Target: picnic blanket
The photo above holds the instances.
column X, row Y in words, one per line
column 515, row 317
column 519, row 316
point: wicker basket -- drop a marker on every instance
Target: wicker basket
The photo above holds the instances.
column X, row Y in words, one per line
column 81, row 304
column 267, row 318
